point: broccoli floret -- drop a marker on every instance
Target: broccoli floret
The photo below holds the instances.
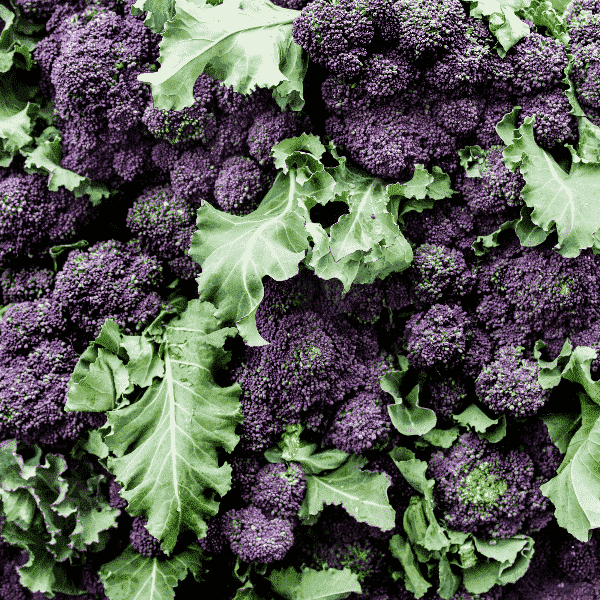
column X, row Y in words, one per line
column 142, row 541
column 575, row 560
column 114, row 495
column 109, row 280
column 240, row 185
column 193, row 176
column 510, row 384
column 30, row 283
column 446, row 397
column 487, row 490
column 279, row 489
column 459, row 116
column 255, row 537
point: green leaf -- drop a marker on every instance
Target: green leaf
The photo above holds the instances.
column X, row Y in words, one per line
column 561, row 428
column 158, row 12
column 362, row 494
column 529, row 234
column 484, row 243
column 449, row 581
column 45, row 159
column 331, row 584
column 243, row 43
column 413, row 579
column 56, row 251
column 144, row 364
column 413, row 470
column 406, row 415
column 575, row 490
column 442, row 438
column 132, row 575
column 182, row 417
column 474, row 417
column 15, row 42
column 471, row 160
column 558, row 198
column 237, row 252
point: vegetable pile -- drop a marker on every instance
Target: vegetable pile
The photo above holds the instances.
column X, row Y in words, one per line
column 299, row 299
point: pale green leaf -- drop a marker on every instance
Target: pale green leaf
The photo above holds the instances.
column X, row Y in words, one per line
column 330, row 584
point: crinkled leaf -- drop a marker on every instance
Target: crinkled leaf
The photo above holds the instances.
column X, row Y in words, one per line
column 15, row 42
column 45, row 159
column 422, row 527
column 329, row 584
column 442, row 438
column 472, row 158
column 474, row 417
column 144, row 363
column 559, row 199
column 56, row 251
column 575, row 490
column 413, row 470
column 449, row 581
column 158, row 12
column 484, row 243
column 166, row 441
column 561, row 428
column 413, row 578
column 237, row 252
column 407, row 416
column 362, row 494
column 527, row 231
column 134, row 576
column 548, row 13
column 244, row 43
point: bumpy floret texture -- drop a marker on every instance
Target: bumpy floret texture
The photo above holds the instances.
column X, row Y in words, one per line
column 438, row 272
column 566, row 293
column 142, row 541
column 363, row 301
column 244, row 469
column 361, row 424
column 30, row 283
column 279, row 489
column 497, row 190
column 253, row 536
column 109, row 280
column 446, row 397
column 486, row 135
column 33, row 392
column 164, row 224
column 33, row 218
column 437, row 339
column 510, row 384
column 239, row 185
column 487, row 490
column 387, row 73
column 576, row 560
column 193, row 176
column 114, row 495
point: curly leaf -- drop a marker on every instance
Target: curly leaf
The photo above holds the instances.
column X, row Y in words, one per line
column 166, row 442
column 237, row 252
column 331, row 584
column 132, row 575
column 15, row 41
column 362, row 494
column 243, row 43
column 561, row 428
column 559, row 199
column 413, row 579
column 484, row 243
column 158, row 13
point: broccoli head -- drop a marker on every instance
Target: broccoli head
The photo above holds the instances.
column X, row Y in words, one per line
column 279, row 489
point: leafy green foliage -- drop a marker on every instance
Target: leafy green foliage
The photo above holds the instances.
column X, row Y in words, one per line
column 492, row 430
column 331, row 584
column 559, row 199
column 16, row 41
column 158, row 12
column 52, row 512
column 237, row 252
column 132, row 575
column 243, row 43
column 362, row 494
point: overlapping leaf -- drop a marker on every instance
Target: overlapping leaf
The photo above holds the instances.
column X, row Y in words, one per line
column 329, row 584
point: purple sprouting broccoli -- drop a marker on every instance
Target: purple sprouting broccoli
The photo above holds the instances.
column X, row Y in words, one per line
column 33, row 392
column 255, row 537
column 93, row 62
column 164, row 223
column 446, row 397
column 109, row 280
column 543, row 451
column 194, row 124
column 335, row 34
column 142, row 541
column 497, row 191
column 244, row 469
column 385, row 74
column 576, row 561
column 553, row 125
column 164, row 156
column 510, row 384
column 215, row 542
column 33, row 218
column 193, row 176
column 240, row 185
column 589, row 337
column 487, row 489
column 486, row 135
column 25, row 325
column 30, row 283
column 269, row 128
column 438, row 273
column 292, row 4
column 37, row 10
column 279, row 489
column 114, row 495
column 566, row 294
column 362, row 423
column 438, row 338
column 459, row 116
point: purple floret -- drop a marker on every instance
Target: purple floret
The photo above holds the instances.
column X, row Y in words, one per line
column 33, row 392
column 437, row 339
column 114, row 495
column 388, row 73
column 244, row 468
column 497, row 190
column 494, row 594
column 270, row 128
column 33, row 218
column 335, row 35
column 31, row 283
column 255, row 537
column 485, row 489
column 459, row 116
column 109, row 280
column 361, row 424
column 510, row 384
column 577, row 561
column 279, row 489
column 142, row 541
column 446, row 397
column 193, row 176
column 439, row 273
column 164, row 224
column 239, row 185
column 485, row 135
column 164, row 156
